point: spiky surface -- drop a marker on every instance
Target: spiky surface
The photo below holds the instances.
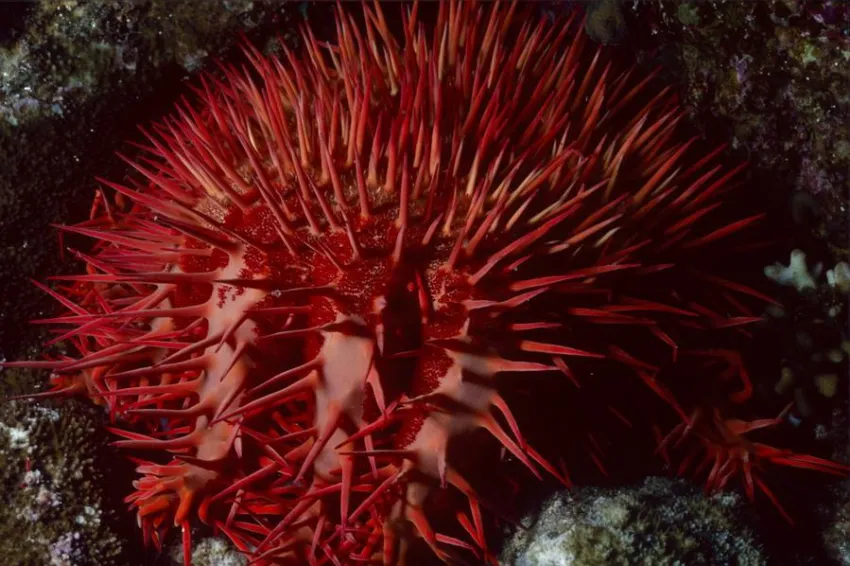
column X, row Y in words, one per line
column 322, row 271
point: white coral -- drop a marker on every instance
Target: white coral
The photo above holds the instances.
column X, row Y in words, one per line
column 839, row 276
column 796, row 274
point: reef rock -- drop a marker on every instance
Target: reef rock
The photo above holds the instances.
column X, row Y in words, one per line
column 659, row 523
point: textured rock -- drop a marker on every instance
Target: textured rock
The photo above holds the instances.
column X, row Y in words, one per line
column 836, row 532
column 55, row 508
column 209, row 551
column 76, row 78
column 660, row 523
column 771, row 75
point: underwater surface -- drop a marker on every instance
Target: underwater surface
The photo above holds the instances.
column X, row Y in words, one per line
column 768, row 80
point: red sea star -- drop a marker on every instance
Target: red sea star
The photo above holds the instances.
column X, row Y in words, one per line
column 309, row 292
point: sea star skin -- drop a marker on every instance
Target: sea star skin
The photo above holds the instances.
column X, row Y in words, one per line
column 312, row 286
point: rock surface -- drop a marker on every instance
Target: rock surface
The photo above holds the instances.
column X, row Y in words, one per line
column 772, row 77
column 660, row 523
column 209, row 551
column 56, row 507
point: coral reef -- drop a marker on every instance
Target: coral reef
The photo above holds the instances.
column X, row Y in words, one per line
column 116, row 63
column 604, row 21
column 56, row 508
column 796, row 274
column 210, row 551
column 774, row 75
column 72, row 50
column 771, row 76
column 76, row 78
column 836, row 525
column 810, row 329
column 294, row 291
column 659, row 523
